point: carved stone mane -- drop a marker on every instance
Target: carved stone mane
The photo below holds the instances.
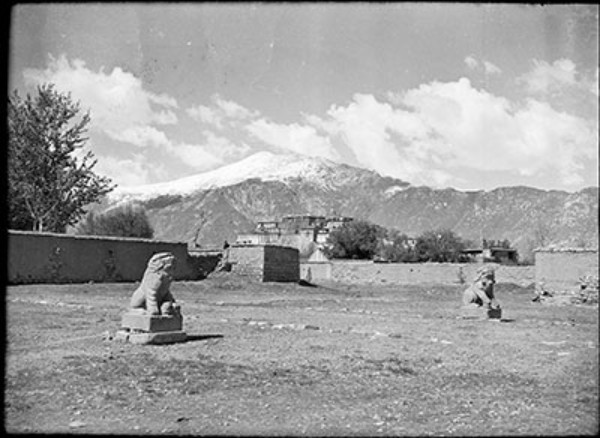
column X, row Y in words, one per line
column 154, row 295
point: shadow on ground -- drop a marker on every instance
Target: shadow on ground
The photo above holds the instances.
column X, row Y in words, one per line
column 192, row 338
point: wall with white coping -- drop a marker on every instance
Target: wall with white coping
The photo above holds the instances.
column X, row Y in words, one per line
column 412, row 273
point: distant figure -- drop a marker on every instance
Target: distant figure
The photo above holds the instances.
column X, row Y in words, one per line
column 225, row 245
column 308, row 275
column 481, row 292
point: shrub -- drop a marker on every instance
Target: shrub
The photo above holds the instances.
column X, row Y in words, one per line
column 357, row 239
column 125, row 221
column 439, row 246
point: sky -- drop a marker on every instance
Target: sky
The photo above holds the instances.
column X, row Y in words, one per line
column 469, row 96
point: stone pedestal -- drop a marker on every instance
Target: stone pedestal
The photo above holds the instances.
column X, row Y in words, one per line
column 150, row 338
column 139, row 328
column 494, row 313
column 479, row 312
column 152, row 323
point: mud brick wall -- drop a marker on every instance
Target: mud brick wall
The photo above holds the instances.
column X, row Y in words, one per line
column 203, row 264
column 315, row 271
column 414, row 273
column 265, row 262
column 281, row 264
column 560, row 269
column 61, row 258
column 247, row 261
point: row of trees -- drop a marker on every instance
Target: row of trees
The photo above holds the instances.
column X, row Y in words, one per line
column 364, row 240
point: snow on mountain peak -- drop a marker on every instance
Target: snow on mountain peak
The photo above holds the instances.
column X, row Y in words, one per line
column 265, row 166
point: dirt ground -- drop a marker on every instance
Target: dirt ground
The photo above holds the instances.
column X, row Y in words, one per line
column 286, row 359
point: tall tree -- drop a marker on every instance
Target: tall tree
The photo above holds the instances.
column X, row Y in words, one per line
column 396, row 247
column 50, row 181
column 439, row 246
column 357, row 239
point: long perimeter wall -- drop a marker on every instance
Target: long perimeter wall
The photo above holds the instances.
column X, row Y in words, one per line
column 559, row 270
column 410, row 273
column 60, row 258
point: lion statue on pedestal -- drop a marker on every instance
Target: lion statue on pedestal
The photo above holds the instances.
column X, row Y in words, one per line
column 153, row 296
column 481, row 293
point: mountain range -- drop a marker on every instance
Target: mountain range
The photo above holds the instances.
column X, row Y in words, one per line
column 215, row 206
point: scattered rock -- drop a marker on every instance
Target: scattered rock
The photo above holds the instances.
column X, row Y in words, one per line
column 76, row 424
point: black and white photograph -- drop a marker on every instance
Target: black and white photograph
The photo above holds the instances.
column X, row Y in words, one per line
column 302, row 219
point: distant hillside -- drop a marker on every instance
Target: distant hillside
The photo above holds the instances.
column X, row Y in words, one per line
column 220, row 204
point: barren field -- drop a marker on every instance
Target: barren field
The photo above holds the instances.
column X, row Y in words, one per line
column 285, row 359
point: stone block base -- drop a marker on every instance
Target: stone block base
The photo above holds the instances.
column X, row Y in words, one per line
column 471, row 312
column 494, row 313
column 152, row 323
column 164, row 337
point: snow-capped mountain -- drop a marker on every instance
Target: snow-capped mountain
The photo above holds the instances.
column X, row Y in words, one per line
column 218, row 205
column 264, row 166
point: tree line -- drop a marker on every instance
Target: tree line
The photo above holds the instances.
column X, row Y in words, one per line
column 51, row 179
column 361, row 239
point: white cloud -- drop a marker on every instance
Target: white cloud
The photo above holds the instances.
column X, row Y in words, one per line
column 487, row 66
column 206, row 115
column 124, row 111
column 547, row 77
column 471, row 62
column 592, row 84
column 233, row 110
column 142, row 136
column 224, row 148
column 366, row 127
column 491, row 68
column 118, row 103
column 427, row 134
column 554, row 140
column 483, row 131
column 197, row 157
column 214, row 151
column 298, row 138
column 124, row 172
column 222, row 111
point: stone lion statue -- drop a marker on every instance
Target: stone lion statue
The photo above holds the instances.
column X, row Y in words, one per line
column 153, row 296
column 481, row 292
